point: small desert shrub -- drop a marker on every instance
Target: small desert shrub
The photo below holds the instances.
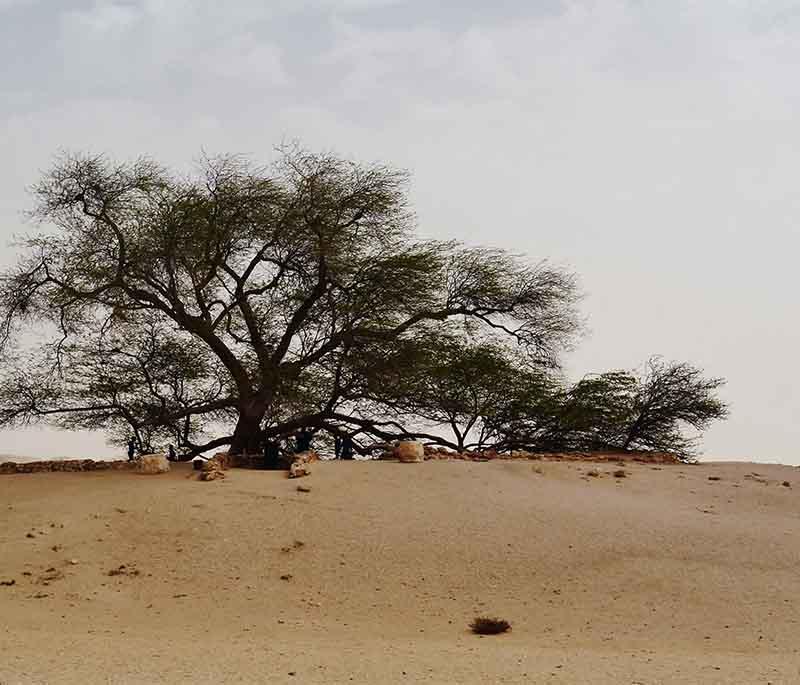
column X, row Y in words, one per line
column 620, row 473
column 489, row 626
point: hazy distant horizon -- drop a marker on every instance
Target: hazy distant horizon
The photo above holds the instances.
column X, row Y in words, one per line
column 650, row 147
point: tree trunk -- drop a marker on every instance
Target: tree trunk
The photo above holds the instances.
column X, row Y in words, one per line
column 247, row 434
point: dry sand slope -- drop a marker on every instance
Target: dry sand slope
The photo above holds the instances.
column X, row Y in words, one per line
column 663, row 576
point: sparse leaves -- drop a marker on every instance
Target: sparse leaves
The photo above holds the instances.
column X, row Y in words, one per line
column 178, row 305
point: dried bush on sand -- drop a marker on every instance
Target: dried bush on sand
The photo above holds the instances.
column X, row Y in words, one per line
column 482, row 625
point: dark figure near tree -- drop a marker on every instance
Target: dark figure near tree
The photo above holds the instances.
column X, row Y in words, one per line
column 303, row 440
column 343, row 447
column 131, row 449
column 272, row 455
column 171, row 456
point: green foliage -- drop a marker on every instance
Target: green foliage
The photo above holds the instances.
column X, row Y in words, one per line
column 670, row 397
column 618, row 410
column 245, row 303
column 276, row 280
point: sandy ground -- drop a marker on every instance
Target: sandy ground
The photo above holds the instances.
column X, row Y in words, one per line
column 665, row 576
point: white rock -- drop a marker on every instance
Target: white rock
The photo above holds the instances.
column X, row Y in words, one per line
column 299, row 469
column 306, row 457
column 152, row 464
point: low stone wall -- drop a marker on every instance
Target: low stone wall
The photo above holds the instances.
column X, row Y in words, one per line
column 490, row 455
column 225, row 460
column 10, row 467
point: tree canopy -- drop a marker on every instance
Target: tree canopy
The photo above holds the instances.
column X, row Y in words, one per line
column 242, row 303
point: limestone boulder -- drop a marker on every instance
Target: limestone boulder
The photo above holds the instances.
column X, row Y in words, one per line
column 212, row 474
column 152, row 464
column 410, row 451
column 224, row 459
column 306, row 457
column 298, row 469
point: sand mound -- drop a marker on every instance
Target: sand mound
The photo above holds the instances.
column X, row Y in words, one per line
column 375, row 575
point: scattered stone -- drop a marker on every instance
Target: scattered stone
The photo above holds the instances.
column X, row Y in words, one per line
column 225, row 460
column 303, row 488
column 757, row 477
column 298, row 469
column 620, row 473
column 153, row 464
column 180, row 595
column 8, row 583
column 786, row 484
column 286, row 576
column 62, row 465
column 300, row 466
column 73, row 562
column 123, row 570
column 714, row 478
column 442, row 453
column 410, row 451
column 212, row 474
column 593, row 473
column 49, row 576
column 214, row 468
column 40, row 595
column 30, row 535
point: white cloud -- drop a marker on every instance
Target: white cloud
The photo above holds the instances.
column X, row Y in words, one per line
column 103, row 18
column 13, row 4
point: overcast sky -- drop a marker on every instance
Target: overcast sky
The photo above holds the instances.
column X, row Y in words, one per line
column 651, row 146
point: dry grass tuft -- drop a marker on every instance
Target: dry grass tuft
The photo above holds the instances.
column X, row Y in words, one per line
column 482, row 625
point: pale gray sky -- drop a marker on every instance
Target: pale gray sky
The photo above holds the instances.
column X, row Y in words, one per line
column 650, row 146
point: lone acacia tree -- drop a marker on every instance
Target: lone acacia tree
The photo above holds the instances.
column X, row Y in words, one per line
column 240, row 298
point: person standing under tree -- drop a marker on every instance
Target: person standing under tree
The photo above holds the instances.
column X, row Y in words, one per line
column 272, row 455
column 171, row 456
column 131, row 448
column 343, row 446
column 303, row 440
column 346, row 451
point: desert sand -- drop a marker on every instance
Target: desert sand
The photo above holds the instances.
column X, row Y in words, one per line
column 672, row 574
